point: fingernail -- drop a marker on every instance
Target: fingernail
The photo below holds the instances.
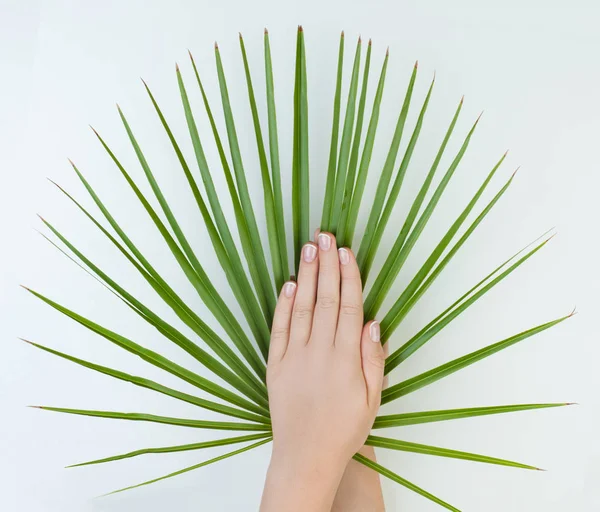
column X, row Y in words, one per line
column 309, row 253
column 375, row 332
column 289, row 289
column 344, row 256
column 324, row 241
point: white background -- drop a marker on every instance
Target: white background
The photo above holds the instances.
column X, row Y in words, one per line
column 534, row 68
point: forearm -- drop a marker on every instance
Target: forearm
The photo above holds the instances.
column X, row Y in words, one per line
column 294, row 485
column 360, row 487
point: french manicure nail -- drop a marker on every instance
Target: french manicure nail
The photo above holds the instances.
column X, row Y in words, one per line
column 344, row 256
column 289, row 289
column 309, row 253
column 324, row 241
column 375, row 332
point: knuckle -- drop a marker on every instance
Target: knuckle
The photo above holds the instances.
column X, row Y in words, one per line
column 327, row 302
column 377, row 359
column 280, row 333
column 301, row 312
column 350, row 276
column 351, row 309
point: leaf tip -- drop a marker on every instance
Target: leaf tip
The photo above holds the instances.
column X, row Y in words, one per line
column 35, row 407
column 342, row 34
column 416, row 64
column 515, row 171
column 25, row 288
column 571, row 403
column 370, row 41
column 573, row 313
column 176, row 67
column 240, row 36
column 387, row 51
column 266, row 31
column 190, row 54
column 462, row 99
column 300, row 29
column 216, row 46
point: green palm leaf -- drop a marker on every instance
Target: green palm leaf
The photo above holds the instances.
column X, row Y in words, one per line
column 174, row 449
column 402, row 481
column 242, row 224
column 405, row 446
column 424, row 379
column 344, row 154
column 300, row 177
column 236, row 387
column 242, row 184
column 333, row 149
column 196, row 466
column 180, row 422
column 416, row 418
column 385, row 177
column 207, row 386
column 275, row 167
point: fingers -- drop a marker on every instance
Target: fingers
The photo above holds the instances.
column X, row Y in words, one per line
column 280, row 333
column 328, row 290
column 350, row 319
column 304, row 303
column 373, row 362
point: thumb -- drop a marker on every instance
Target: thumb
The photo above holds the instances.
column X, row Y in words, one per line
column 373, row 362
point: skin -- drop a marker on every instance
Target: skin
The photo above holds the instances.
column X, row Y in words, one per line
column 324, row 376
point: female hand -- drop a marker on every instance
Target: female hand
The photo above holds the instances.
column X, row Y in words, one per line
column 324, row 376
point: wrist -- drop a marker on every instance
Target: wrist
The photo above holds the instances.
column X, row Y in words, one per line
column 309, row 477
column 306, row 461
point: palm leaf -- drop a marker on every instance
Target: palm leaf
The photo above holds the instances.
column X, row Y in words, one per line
column 344, row 154
column 225, row 247
column 242, row 379
column 275, row 167
column 180, row 422
column 416, row 418
column 405, row 446
column 272, row 226
column 242, row 184
column 174, row 449
column 353, row 163
column 385, row 176
column 424, row 379
column 242, row 225
column 365, row 159
column 300, row 177
column 196, row 466
column 455, row 309
column 206, row 386
column 393, row 195
column 401, row 250
column 333, row 149
column 236, row 387
column 402, row 481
